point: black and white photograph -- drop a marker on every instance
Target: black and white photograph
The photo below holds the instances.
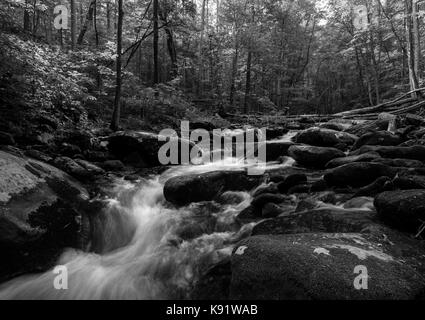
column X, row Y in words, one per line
column 191, row 151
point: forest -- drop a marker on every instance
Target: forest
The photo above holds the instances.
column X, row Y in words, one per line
column 298, row 57
column 309, row 184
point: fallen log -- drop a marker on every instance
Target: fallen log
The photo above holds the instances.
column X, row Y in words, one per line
column 402, row 100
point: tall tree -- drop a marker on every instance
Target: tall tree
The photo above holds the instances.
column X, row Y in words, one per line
column 248, row 66
column 117, row 102
column 73, row 24
column 88, row 22
column 413, row 79
column 155, row 42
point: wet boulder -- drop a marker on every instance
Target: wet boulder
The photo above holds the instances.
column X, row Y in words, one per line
column 321, row 266
column 265, row 198
column 316, row 157
column 266, row 188
column 403, row 210
column 141, row 148
column 358, row 174
column 379, row 138
column 291, row 181
column 183, row 190
column 414, row 152
column 366, row 157
column 407, row 163
column 378, row 186
column 112, row 165
column 321, row 137
column 331, row 220
column 409, row 182
column 272, row 210
column 78, row 168
column 275, row 132
column 277, row 149
column 365, row 203
column 42, row 211
column 38, row 155
column 231, row 198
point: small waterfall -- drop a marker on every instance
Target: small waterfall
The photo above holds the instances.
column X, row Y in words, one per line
column 140, row 254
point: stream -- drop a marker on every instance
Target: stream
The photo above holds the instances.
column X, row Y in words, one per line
column 142, row 255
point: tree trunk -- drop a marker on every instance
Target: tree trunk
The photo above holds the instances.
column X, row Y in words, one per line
column 73, row 25
column 155, row 42
column 416, row 38
column 248, row 69
column 95, row 24
column 108, row 17
column 413, row 80
column 117, row 102
column 248, row 81
column 234, row 71
column 27, row 23
column 171, row 46
column 200, row 49
column 87, row 23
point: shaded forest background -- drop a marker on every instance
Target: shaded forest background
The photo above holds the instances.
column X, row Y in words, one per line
column 184, row 58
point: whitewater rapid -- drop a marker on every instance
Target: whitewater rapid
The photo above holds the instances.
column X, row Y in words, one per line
column 141, row 255
column 154, row 264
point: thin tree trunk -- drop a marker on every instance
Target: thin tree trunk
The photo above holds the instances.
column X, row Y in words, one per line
column 171, row 46
column 248, row 69
column 200, row 49
column 234, row 70
column 27, row 23
column 416, row 38
column 73, row 25
column 248, row 81
column 117, row 102
column 34, row 8
column 81, row 14
column 87, row 23
column 95, row 24
column 155, row 42
column 108, row 16
column 413, row 80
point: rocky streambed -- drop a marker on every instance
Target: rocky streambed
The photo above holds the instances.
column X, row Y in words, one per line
column 329, row 203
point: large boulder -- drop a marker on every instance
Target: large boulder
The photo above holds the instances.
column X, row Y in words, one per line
column 409, row 182
column 140, row 148
column 404, row 210
column 42, row 211
column 78, row 168
column 275, row 132
column 324, row 266
column 330, row 220
column 183, row 190
column 378, row 186
column 358, row 174
column 379, row 138
column 321, row 137
column 292, row 181
column 277, row 149
column 316, row 157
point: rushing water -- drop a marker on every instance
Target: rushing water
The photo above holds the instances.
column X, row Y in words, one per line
column 142, row 253
column 143, row 257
